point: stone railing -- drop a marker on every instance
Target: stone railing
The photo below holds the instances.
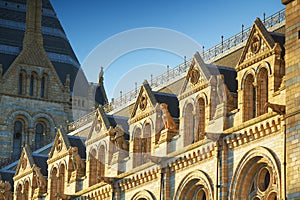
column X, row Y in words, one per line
column 208, row 56
column 81, row 121
column 238, row 39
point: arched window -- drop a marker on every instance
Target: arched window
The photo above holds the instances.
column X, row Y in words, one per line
column 40, row 135
column 17, row 139
column 101, row 162
column 93, row 162
column 188, row 124
column 249, row 98
column 146, row 142
column 19, row 192
column 200, row 120
column 26, row 190
column 53, row 183
column 33, row 84
column 137, row 147
column 22, row 82
column 61, row 179
column 262, row 91
column 43, row 86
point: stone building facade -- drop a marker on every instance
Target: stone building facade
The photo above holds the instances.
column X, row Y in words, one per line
column 38, row 69
column 224, row 132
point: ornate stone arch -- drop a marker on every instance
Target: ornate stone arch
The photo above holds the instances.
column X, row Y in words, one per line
column 202, row 95
column 265, row 65
column 16, row 113
column 148, row 121
column 137, row 126
column 192, row 184
column 252, row 163
column 47, row 117
column 249, row 72
column 186, row 103
column 144, row 194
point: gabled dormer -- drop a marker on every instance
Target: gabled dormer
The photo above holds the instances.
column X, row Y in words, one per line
column 29, row 179
column 206, row 96
column 197, row 78
column 152, row 113
column 260, row 72
column 66, row 164
column 107, row 136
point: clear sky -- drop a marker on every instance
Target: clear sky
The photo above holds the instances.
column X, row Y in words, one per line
column 90, row 23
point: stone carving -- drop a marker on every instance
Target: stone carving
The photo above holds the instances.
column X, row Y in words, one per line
column 166, row 117
column 40, row 180
column 59, row 145
column 119, row 138
column 221, row 89
column 5, row 190
column 76, row 160
column 24, row 163
column 280, row 109
column 194, row 76
column 255, row 44
column 143, row 102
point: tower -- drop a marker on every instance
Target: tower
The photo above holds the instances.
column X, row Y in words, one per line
column 38, row 68
column 292, row 70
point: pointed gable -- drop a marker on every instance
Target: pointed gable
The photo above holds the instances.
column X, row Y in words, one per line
column 100, row 122
column 26, row 162
column 259, row 41
column 61, row 144
column 198, row 74
column 145, row 100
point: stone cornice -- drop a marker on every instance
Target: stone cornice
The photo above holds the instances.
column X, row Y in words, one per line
column 193, row 90
column 55, row 158
column 93, row 140
column 141, row 116
column 19, row 176
column 36, row 98
column 260, row 129
column 255, row 59
column 139, row 179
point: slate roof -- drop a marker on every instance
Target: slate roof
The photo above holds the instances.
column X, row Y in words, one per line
column 279, row 38
column 41, row 162
column 121, row 121
column 56, row 44
column 79, row 142
column 171, row 100
column 229, row 76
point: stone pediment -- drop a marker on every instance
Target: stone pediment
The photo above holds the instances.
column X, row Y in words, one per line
column 145, row 101
column 100, row 124
column 61, row 144
column 198, row 74
column 26, row 162
column 259, row 42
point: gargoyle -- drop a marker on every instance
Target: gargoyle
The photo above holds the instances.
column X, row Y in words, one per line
column 280, row 109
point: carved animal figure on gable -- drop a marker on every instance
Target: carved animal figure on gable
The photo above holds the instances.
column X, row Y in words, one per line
column 166, row 117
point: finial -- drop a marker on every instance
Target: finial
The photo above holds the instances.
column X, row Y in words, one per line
column 100, row 81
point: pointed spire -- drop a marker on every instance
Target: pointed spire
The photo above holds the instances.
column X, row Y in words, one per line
column 33, row 30
column 100, row 80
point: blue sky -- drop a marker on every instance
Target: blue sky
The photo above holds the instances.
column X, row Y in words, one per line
column 89, row 23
